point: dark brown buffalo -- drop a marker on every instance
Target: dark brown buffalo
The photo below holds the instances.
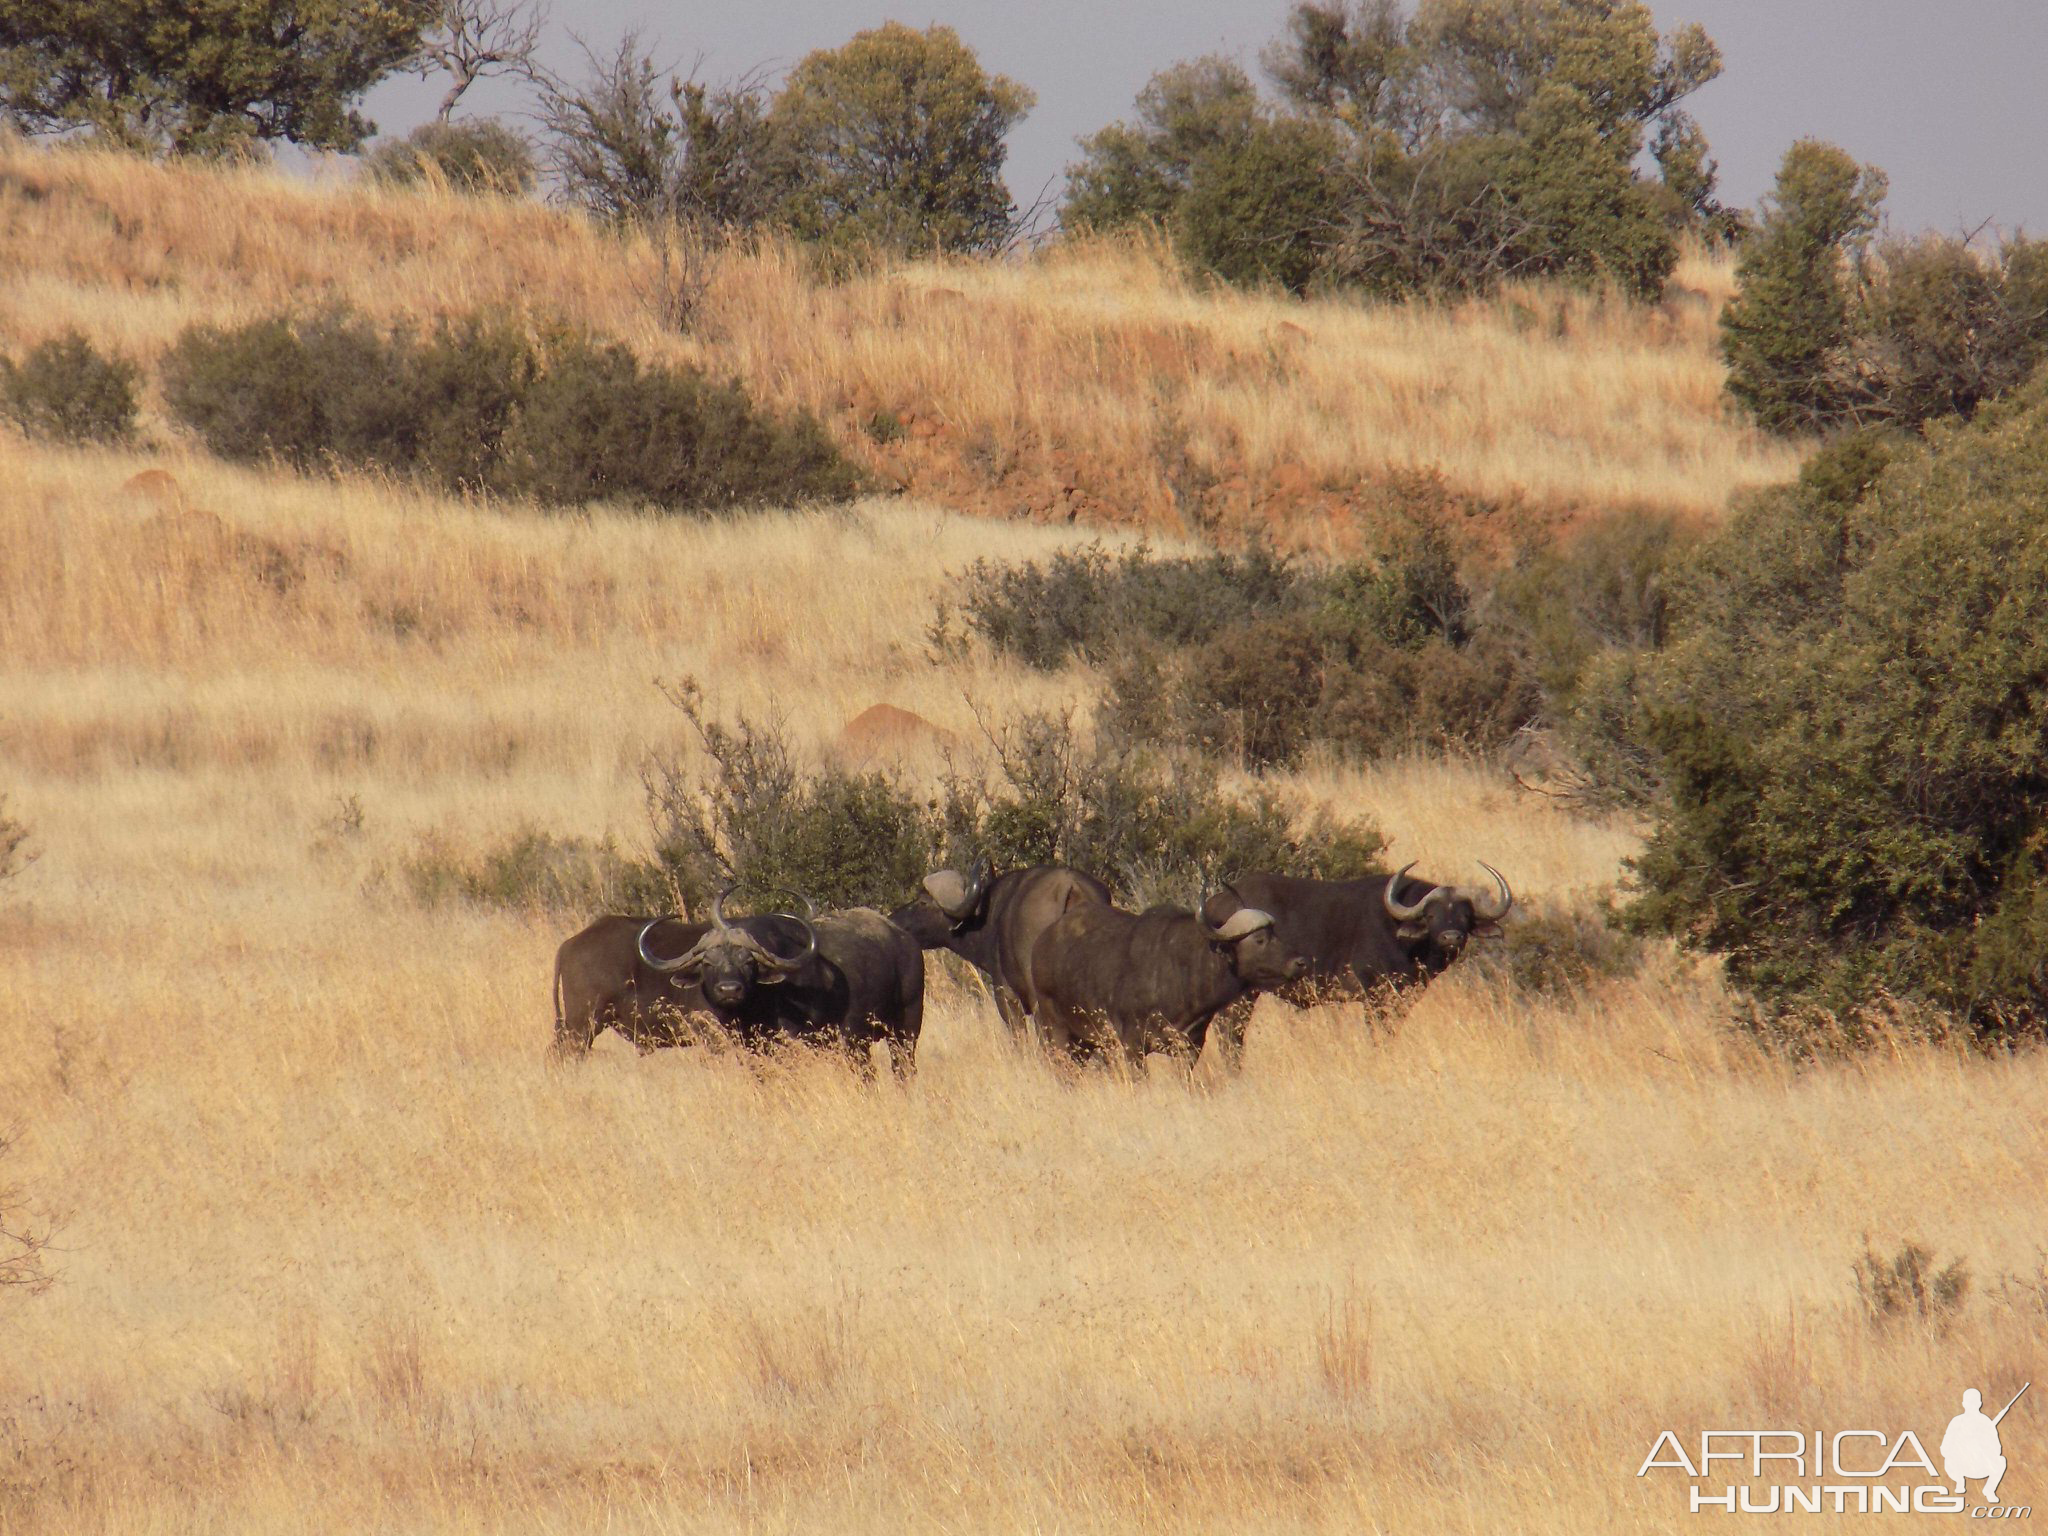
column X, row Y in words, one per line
column 1152, row 980
column 1360, row 935
column 847, row 979
column 992, row 922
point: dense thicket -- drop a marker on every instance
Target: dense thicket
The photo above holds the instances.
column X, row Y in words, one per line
column 1831, row 330
column 1259, row 659
column 892, row 141
column 205, row 76
column 1440, row 150
column 750, row 810
column 480, row 405
column 1852, row 719
column 67, row 390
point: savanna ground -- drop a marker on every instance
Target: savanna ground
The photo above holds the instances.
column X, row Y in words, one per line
column 341, row 1252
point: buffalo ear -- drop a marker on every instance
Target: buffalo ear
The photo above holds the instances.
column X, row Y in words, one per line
column 1412, row 931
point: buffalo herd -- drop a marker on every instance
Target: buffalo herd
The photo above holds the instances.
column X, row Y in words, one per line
column 1055, row 950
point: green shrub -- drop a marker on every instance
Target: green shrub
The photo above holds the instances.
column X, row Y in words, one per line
column 1940, row 329
column 532, row 871
column 1786, row 332
column 1257, row 208
column 67, row 391
column 597, row 424
column 1852, row 720
column 752, row 813
column 1558, row 949
column 476, row 404
column 1093, row 602
column 328, row 388
column 477, row 156
column 1151, row 823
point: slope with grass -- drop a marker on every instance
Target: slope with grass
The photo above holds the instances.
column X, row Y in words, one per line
column 1091, row 381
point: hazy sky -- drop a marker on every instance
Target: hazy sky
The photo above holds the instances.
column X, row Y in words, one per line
column 1950, row 97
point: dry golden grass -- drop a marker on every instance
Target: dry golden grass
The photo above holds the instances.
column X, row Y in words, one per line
column 341, row 1253
column 1093, row 379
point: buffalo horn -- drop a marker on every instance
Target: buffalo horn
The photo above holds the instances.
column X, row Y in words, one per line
column 655, row 964
column 953, row 894
column 1241, row 922
column 1482, row 908
column 789, row 962
column 1407, row 914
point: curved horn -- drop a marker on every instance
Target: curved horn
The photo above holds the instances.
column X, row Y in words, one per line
column 955, row 896
column 1241, row 922
column 1395, row 910
column 665, row 966
column 1485, row 912
column 977, row 881
column 789, row 962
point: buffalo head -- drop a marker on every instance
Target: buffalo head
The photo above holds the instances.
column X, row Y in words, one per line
column 949, row 902
column 1438, row 925
column 729, row 961
column 1258, row 955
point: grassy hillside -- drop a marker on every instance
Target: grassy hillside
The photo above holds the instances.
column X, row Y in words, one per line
column 341, row 1253
column 1092, row 382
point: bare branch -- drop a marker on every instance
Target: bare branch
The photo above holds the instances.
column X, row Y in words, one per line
column 474, row 39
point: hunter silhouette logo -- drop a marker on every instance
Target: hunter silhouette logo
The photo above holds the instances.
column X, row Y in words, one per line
column 1848, row 1471
column 1971, row 1447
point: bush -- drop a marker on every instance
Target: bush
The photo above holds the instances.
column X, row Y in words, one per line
column 1785, row 333
column 329, row 388
column 1155, row 826
column 1256, row 657
column 753, row 814
column 67, row 391
column 598, row 424
column 1852, row 719
column 1941, row 329
column 478, row 156
column 476, row 404
column 1257, row 207
column 533, row 871
column 1092, row 603
column 1558, row 949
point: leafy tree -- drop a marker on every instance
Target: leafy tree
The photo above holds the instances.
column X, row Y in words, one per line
column 203, row 76
column 1494, row 57
column 897, row 138
column 1256, row 209
column 1786, row 332
column 1141, row 170
column 1581, row 209
column 1853, row 724
column 1940, row 327
column 1351, row 60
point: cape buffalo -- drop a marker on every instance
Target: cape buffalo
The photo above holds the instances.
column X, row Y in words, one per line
column 1151, row 980
column 848, row 979
column 993, row 922
column 1379, row 931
